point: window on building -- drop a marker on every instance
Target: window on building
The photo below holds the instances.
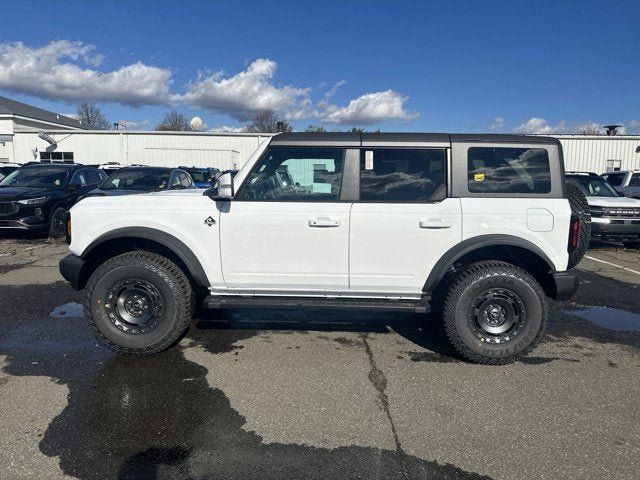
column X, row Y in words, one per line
column 508, row 170
column 296, row 174
column 65, row 157
column 402, row 175
column 613, row 165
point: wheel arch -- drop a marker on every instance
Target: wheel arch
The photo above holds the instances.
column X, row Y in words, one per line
column 127, row 239
column 514, row 250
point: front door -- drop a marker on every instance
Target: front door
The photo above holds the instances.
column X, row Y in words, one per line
column 404, row 222
column 287, row 229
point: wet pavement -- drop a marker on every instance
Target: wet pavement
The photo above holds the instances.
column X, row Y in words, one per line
column 275, row 395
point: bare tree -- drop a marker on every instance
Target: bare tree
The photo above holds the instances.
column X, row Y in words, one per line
column 266, row 121
column 173, row 122
column 315, row 129
column 90, row 114
column 590, row 130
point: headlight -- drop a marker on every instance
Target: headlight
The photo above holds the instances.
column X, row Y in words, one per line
column 33, row 201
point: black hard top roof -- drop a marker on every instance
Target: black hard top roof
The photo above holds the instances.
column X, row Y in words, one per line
column 391, row 138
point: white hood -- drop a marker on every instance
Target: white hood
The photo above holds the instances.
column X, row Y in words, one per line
column 624, row 202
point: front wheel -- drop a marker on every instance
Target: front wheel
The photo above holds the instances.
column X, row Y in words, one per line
column 494, row 312
column 57, row 224
column 139, row 302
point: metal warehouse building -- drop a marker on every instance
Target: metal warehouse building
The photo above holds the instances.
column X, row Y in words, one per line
column 68, row 140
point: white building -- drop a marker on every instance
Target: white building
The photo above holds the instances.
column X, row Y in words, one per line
column 20, row 142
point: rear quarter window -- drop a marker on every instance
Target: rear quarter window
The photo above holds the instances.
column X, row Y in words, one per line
column 508, row 170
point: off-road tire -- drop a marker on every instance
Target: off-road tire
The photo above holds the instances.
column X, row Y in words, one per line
column 463, row 292
column 579, row 207
column 172, row 285
column 57, row 230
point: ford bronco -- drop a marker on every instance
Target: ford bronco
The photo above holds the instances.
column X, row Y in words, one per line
column 479, row 229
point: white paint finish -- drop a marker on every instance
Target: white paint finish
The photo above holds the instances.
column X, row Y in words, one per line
column 180, row 214
column 539, row 220
column 270, row 245
column 390, row 250
column 509, row 217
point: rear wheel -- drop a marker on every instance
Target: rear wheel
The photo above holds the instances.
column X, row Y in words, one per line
column 494, row 312
column 57, row 224
column 139, row 302
column 579, row 208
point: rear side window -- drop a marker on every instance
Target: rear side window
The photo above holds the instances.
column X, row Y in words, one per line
column 635, row 180
column 402, row 175
column 615, row 179
column 508, row 170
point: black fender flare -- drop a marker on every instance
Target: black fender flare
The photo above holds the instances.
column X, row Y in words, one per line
column 469, row 245
column 165, row 239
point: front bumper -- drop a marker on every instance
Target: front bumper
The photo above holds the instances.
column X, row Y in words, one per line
column 615, row 228
column 24, row 218
column 71, row 268
column 565, row 285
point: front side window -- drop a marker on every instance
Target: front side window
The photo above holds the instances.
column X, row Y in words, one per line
column 296, row 174
column 508, row 170
column 615, row 179
column 402, row 175
column 635, row 180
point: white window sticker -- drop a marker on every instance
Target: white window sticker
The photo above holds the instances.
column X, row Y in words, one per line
column 368, row 160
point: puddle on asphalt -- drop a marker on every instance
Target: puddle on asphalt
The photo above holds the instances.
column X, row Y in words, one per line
column 607, row 317
column 68, row 310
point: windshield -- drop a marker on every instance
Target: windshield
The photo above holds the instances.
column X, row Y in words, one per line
column 141, row 179
column 594, row 186
column 38, row 177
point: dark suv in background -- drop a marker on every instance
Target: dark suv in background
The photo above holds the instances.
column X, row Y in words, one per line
column 133, row 180
column 36, row 197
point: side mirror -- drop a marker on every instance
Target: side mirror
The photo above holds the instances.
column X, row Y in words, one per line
column 222, row 188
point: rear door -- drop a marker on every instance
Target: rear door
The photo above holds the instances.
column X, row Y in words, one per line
column 403, row 222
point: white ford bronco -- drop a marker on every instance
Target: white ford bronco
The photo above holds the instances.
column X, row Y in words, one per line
column 478, row 229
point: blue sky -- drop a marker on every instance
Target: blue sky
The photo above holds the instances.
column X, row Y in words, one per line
column 404, row 66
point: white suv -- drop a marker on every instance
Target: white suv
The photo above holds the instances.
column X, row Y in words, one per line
column 477, row 228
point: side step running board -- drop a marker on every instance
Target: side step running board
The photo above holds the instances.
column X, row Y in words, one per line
column 227, row 301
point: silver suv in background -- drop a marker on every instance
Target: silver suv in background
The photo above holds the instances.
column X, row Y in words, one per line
column 625, row 181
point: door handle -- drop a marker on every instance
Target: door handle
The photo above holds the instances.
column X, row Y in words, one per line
column 323, row 222
column 436, row 223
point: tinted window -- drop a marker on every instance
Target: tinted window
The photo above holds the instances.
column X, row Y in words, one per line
column 615, row 179
column 402, row 175
column 296, row 174
column 635, row 180
column 508, row 170
column 80, row 178
column 180, row 180
column 93, row 177
column 592, row 186
column 49, row 177
column 140, row 179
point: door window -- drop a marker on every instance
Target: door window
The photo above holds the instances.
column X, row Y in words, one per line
column 403, row 175
column 296, row 174
column 635, row 180
column 79, row 179
column 93, row 177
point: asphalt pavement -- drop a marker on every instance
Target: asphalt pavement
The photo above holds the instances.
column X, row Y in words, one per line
column 254, row 394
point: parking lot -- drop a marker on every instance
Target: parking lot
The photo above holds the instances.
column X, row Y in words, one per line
column 254, row 394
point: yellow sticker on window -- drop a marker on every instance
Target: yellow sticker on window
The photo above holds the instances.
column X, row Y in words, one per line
column 478, row 177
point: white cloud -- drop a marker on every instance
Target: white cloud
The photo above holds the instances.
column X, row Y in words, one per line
column 245, row 93
column 68, row 71
column 497, row 124
column 536, row 125
column 634, row 127
column 61, row 70
column 369, row 109
column 227, row 129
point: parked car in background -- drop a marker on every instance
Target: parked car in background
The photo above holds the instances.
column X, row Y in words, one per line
column 625, row 181
column 37, row 196
column 7, row 168
column 613, row 217
column 133, row 180
column 201, row 175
